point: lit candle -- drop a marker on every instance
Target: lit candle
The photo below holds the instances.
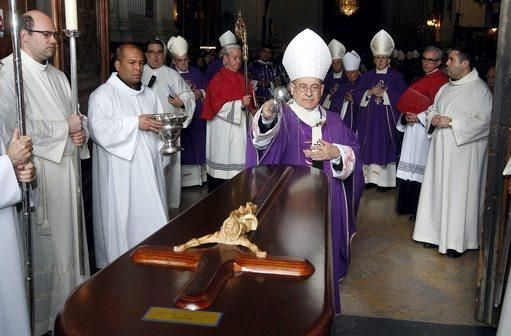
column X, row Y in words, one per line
column 71, row 15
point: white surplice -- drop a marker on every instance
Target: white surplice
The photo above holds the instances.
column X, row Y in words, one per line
column 54, row 223
column 451, row 201
column 414, row 151
column 168, row 81
column 128, row 185
column 14, row 318
column 226, row 141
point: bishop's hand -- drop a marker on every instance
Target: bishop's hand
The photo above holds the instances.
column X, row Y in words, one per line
column 322, row 151
column 269, row 109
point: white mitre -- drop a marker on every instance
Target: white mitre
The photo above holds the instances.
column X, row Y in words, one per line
column 337, row 49
column 395, row 53
column 351, row 61
column 401, row 56
column 409, row 55
column 227, row 38
column 307, row 55
column 415, row 54
column 177, row 46
column 382, row 44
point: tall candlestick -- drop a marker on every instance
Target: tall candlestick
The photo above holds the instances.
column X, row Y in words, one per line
column 71, row 15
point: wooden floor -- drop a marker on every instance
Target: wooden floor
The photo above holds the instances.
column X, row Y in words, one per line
column 391, row 276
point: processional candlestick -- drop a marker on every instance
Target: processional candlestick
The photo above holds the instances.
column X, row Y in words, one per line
column 72, row 32
column 20, row 108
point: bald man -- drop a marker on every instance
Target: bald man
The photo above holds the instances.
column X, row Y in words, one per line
column 56, row 133
column 128, row 184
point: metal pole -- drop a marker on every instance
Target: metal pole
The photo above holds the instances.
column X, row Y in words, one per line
column 73, row 34
column 20, row 107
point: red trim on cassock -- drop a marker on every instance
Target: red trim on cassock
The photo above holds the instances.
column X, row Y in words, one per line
column 225, row 86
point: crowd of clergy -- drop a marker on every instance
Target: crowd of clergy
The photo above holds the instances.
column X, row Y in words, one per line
column 363, row 129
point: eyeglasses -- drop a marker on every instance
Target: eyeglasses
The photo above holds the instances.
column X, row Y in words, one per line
column 315, row 88
column 45, row 33
column 429, row 60
column 155, row 52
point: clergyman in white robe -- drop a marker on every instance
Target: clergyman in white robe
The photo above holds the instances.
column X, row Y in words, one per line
column 54, row 223
column 14, row 318
column 129, row 199
column 451, row 201
column 169, row 82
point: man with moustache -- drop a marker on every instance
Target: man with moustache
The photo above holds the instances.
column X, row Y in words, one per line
column 56, row 133
column 129, row 201
column 451, row 201
column 225, row 110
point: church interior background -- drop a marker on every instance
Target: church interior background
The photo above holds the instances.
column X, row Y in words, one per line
column 104, row 24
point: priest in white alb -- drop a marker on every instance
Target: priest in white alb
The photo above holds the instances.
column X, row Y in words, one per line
column 452, row 196
column 175, row 97
column 129, row 200
column 56, row 134
column 15, row 166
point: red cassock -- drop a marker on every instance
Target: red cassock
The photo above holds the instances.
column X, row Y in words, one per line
column 420, row 95
column 226, row 86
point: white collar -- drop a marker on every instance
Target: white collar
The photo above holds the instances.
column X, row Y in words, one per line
column 383, row 72
column 115, row 81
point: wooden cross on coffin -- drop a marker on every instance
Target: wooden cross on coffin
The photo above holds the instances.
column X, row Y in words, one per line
column 214, row 266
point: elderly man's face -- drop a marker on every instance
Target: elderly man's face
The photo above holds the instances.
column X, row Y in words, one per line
column 337, row 65
column 130, row 66
column 430, row 61
column 41, row 42
column 233, row 59
column 155, row 55
column 381, row 61
column 307, row 92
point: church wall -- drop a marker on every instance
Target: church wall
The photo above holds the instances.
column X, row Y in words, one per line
column 288, row 18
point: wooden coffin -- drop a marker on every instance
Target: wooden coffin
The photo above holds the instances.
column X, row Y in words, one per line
column 286, row 293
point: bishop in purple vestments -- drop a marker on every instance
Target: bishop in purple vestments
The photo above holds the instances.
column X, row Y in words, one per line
column 305, row 134
column 378, row 92
column 193, row 137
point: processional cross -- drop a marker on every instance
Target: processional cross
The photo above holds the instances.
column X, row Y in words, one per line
column 214, row 266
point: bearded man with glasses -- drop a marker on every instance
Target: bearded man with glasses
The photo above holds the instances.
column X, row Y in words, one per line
column 56, row 133
column 305, row 134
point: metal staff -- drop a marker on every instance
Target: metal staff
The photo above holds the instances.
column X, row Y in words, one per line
column 73, row 34
column 20, row 107
column 241, row 32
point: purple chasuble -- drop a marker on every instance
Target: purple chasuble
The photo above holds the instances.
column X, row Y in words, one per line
column 379, row 139
column 193, row 138
column 351, row 115
column 332, row 85
column 287, row 148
